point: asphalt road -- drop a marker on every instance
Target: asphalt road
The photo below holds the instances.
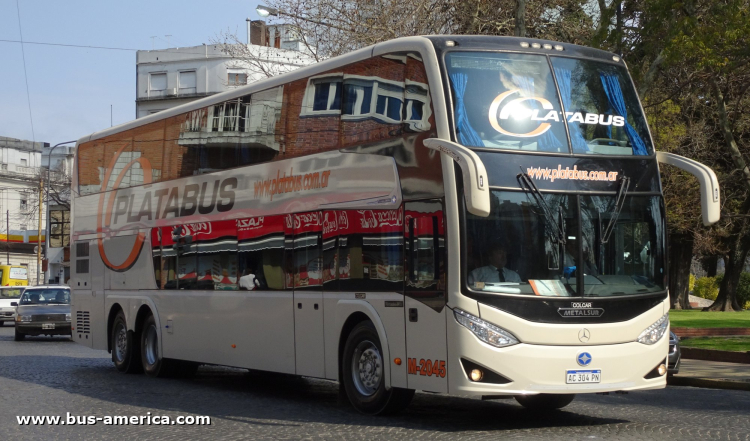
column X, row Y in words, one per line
column 54, row 376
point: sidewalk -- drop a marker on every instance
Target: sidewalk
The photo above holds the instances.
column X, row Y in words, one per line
column 712, row 374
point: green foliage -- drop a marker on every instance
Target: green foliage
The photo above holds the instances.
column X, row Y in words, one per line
column 691, row 283
column 707, row 288
column 743, row 291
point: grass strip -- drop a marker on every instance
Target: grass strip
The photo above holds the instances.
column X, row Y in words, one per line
column 709, row 319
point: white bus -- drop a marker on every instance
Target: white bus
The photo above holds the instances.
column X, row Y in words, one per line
column 476, row 216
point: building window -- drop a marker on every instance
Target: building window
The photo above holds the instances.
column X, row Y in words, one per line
column 3, row 166
column 59, row 225
column 157, row 84
column 24, row 162
column 24, row 204
column 236, row 78
column 188, row 82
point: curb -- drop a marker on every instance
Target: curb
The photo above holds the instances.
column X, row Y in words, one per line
column 708, row 383
column 714, row 355
column 709, row 332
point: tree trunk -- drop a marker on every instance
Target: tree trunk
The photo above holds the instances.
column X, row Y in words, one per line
column 680, row 256
column 520, row 18
column 709, row 264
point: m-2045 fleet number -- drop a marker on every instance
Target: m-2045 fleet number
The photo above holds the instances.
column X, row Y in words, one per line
column 424, row 367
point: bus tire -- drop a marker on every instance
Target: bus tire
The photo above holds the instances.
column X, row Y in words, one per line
column 153, row 365
column 126, row 354
column 543, row 402
column 19, row 336
column 363, row 374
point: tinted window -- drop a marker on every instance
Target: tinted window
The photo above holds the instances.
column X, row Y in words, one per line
column 506, row 101
column 602, row 108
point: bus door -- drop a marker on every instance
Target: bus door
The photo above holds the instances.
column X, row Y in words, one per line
column 307, row 273
column 426, row 345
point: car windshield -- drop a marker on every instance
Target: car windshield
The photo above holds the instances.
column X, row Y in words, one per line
column 11, row 293
column 549, row 245
column 511, row 101
column 46, row 296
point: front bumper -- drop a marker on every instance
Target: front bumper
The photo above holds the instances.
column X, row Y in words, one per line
column 7, row 315
column 533, row 369
column 36, row 328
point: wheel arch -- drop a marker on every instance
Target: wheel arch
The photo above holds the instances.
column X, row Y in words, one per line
column 350, row 314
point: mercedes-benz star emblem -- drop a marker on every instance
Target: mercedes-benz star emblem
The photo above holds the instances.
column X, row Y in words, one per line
column 584, row 335
column 584, row 358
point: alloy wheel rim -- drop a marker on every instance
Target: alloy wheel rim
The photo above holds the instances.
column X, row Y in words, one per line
column 367, row 368
column 121, row 343
column 152, row 353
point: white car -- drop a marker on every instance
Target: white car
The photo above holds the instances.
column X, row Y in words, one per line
column 9, row 294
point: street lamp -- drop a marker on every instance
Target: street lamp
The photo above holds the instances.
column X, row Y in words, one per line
column 265, row 11
column 39, row 236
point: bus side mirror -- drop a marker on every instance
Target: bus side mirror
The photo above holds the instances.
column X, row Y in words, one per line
column 476, row 190
column 710, row 201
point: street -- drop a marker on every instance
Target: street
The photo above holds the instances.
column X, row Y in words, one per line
column 54, row 376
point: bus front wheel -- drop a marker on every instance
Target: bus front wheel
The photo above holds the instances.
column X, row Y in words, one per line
column 125, row 352
column 545, row 401
column 363, row 374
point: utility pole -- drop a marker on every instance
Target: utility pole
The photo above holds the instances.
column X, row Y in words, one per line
column 39, row 232
column 7, row 236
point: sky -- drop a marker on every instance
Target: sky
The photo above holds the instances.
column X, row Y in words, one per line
column 71, row 89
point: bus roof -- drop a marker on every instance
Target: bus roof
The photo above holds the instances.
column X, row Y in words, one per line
column 425, row 44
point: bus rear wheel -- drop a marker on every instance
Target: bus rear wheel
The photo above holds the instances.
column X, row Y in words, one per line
column 363, row 374
column 125, row 352
column 155, row 366
column 545, row 401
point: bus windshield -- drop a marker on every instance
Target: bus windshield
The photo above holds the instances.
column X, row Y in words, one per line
column 539, row 247
column 523, row 102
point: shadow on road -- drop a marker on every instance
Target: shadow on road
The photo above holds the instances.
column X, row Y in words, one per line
column 272, row 399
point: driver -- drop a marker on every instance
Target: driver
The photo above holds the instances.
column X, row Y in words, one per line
column 495, row 272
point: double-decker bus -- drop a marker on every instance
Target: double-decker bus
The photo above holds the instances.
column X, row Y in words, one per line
column 464, row 215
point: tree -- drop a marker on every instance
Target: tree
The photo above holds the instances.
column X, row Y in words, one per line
column 700, row 51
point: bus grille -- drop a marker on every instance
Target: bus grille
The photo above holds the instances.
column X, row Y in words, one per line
column 48, row 318
column 82, row 322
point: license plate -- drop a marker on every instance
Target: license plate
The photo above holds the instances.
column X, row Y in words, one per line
column 579, row 376
column 48, row 326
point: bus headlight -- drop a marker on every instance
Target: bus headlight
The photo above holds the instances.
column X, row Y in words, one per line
column 655, row 332
column 485, row 331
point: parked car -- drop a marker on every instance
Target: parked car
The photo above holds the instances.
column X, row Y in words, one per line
column 673, row 362
column 43, row 310
column 8, row 295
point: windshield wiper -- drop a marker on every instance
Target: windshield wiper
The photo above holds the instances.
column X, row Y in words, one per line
column 619, row 203
column 528, row 185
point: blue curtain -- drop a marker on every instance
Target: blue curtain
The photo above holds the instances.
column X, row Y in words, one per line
column 614, row 94
column 466, row 133
column 548, row 142
column 576, row 137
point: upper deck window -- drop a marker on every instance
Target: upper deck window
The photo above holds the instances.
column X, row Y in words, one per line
column 506, row 101
column 511, row 101
column 601, row 107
